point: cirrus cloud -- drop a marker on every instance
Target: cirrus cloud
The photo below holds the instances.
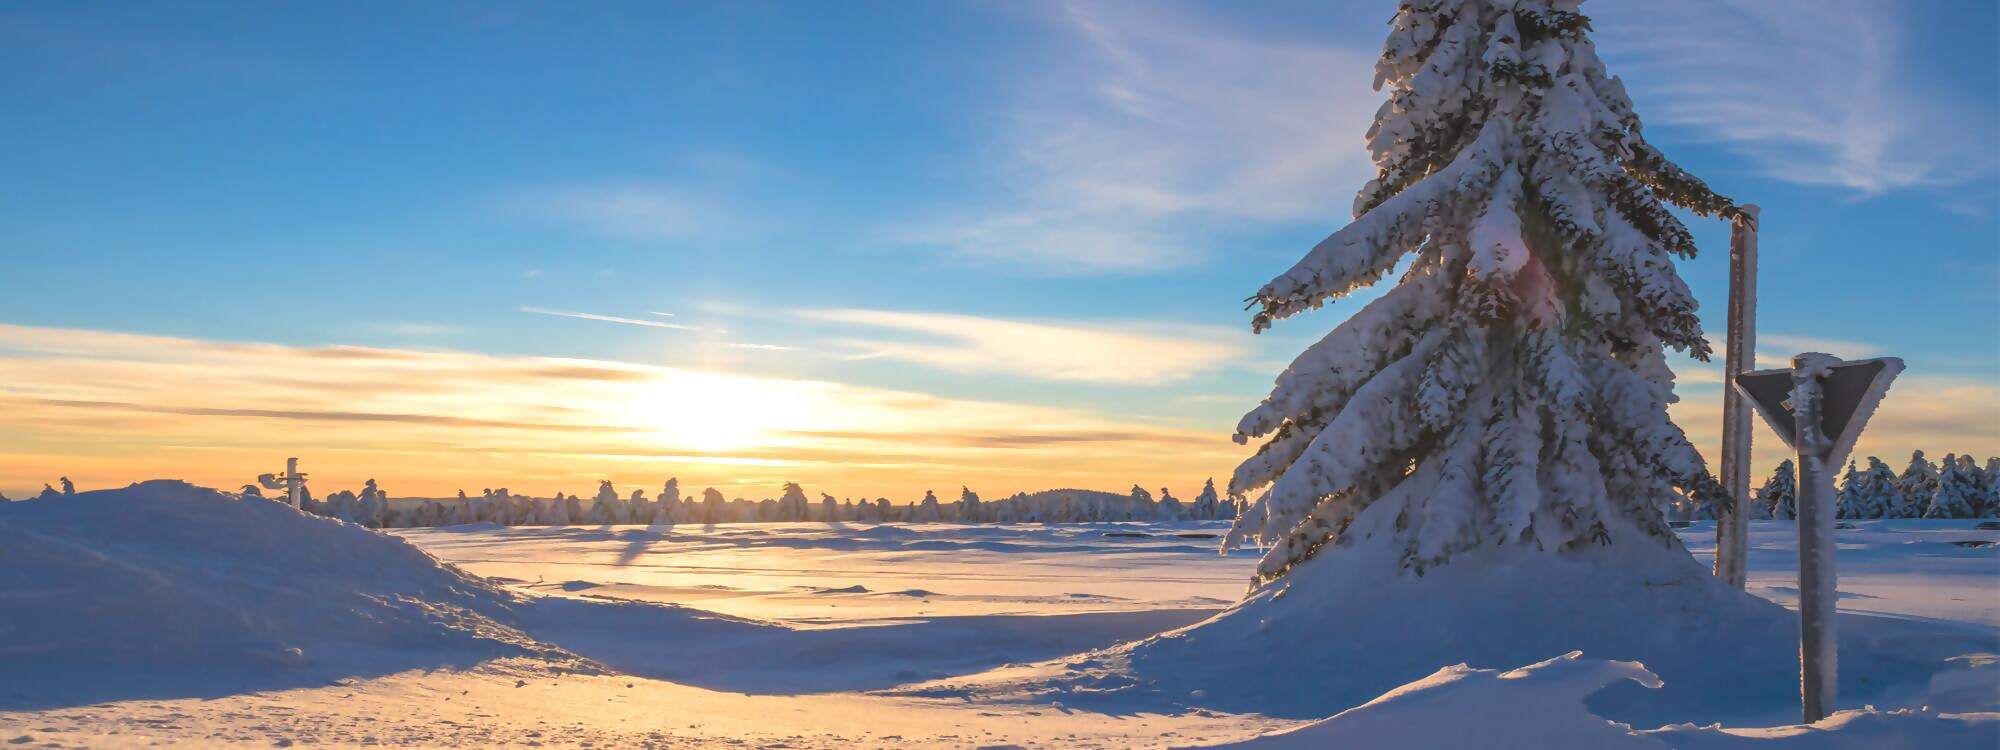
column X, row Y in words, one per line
column 1129, row 354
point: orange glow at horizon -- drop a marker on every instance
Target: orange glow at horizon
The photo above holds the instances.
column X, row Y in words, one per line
column 107, row 409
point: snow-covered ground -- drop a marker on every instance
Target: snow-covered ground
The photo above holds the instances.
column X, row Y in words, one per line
column 167, row 614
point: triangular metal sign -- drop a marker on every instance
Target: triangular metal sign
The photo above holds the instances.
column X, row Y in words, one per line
column 1849, row 394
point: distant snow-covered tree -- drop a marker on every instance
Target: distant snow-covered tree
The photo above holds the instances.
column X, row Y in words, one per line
column 928, row 511
column 1170, row 507
column 968, row 505
column 1851, row 501
column 605, row 507
column 1918, row 481
column 1780, row 493
column 1142, row 507
column 1511, row 389
column 714, row 509
column 1206, row 505
column 372, row 507
column 1881, row 495
column 829, row 509
column 792, row 506
column 1957, row 492
column 1990, row 481
column 637, row 508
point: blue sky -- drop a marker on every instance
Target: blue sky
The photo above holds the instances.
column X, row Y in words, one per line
column 1049, row 204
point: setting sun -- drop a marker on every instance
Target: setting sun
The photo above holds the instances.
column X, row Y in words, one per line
column 712, row 413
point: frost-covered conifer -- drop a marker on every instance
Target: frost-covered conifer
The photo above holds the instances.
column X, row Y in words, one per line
column 829, row 508
column 1957, row 493
column 968, row 505
column 1207, row 505
column 928, row 511
column 372, row 506
column 792, row 506
column 1852, row 500
column 669, row 508
column 637, row 508
column 1918, row 481
column 1511, row 389
column 1882, row 497
column 1780, row 493
column 1990, row 481
column 1759, row 511
column 1142, row 507
column 605, row 508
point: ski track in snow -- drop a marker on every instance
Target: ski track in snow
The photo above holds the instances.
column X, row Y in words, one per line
column 769, row 635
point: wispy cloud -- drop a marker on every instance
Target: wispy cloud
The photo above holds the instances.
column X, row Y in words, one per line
column 1131, row 353
column 110, row 408
column 638, row 210
column 1815, row 92
column 417, row 330
column 1161, row 123
column 609, row 319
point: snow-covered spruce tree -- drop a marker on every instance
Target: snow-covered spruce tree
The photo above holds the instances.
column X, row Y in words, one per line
column 1883, row 497
column 928, row 510
column 793, row 505
column 1758, row 510
column 1918, row 481
column 968, row 505
column 1780, row 493
column 1957, row 493
column 1512, row 388
column 1852, row 500
column 1991, row 482
column 1206, row 504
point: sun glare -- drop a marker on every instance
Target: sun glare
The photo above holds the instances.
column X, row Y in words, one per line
column 714, row 413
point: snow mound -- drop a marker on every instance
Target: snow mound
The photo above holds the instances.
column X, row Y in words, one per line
column 1540, row 706
column 163, row 576
column 1349, row 625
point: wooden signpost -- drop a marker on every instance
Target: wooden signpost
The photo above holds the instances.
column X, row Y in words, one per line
column 1818, row 407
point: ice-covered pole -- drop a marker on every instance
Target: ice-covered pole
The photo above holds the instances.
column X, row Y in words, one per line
column 292, row 481
column 1819, row 407
column 1732, row 528
column 1819, row 659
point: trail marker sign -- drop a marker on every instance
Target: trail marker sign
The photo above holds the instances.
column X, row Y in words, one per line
column 1818, row 407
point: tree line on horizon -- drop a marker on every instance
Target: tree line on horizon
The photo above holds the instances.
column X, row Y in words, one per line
column 1959, row 487
column 373, row 507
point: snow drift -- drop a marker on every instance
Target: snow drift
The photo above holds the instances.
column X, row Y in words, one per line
column 163, row 580
column 1350, row 626
column 1541, row 706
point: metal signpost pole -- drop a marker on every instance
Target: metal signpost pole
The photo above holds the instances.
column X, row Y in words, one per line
column 1819, row 662
column 1818, row 407
column 1732, row 526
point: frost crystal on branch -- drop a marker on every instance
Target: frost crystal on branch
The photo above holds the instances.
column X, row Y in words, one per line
column 1512, row 388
